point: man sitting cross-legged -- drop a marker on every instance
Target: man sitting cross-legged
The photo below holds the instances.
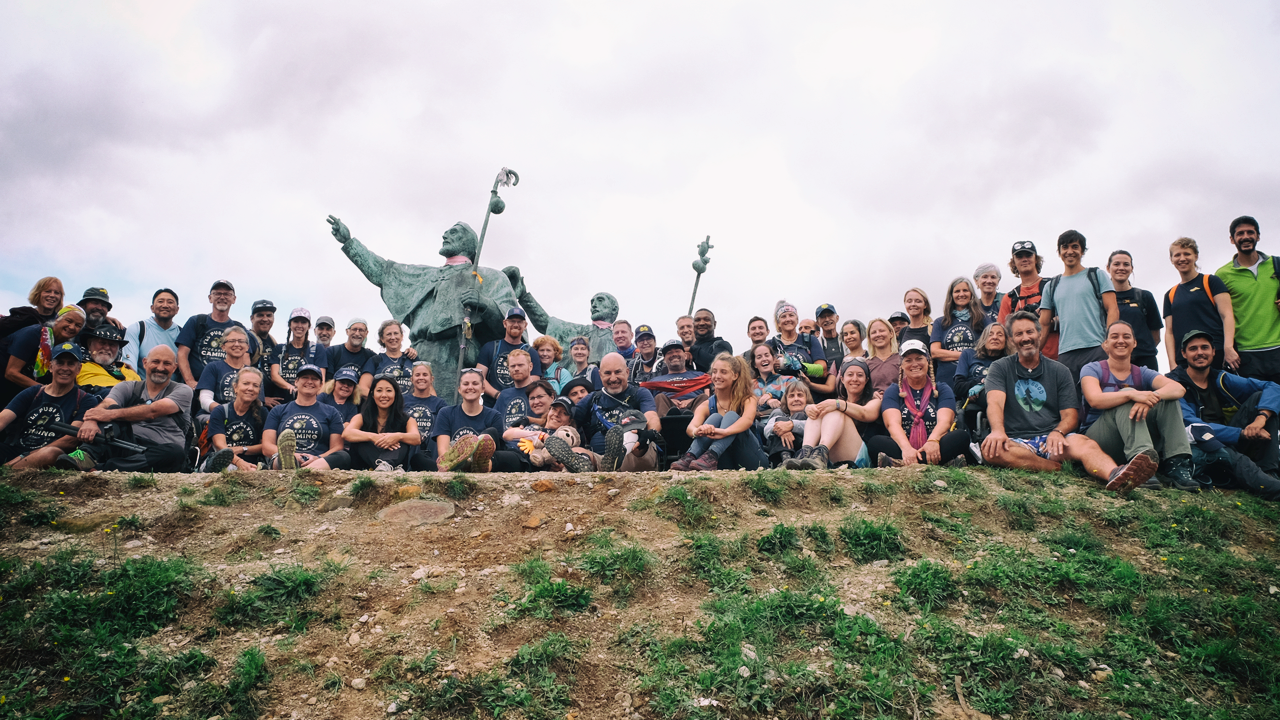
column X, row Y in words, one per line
column 680, row 389
column 27, row 441
column 1033, row 411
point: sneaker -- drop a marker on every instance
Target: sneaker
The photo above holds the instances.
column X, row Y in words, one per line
column 77, row 460
column 480, row 461
column 682, row 465
column 1125, row 478
column 219, row 460
column 958, row 462
column 795, row 463
column 816, row 460
column 706, row 463
column 459, row 453
column 572, row 461
column 287, row 445
column 382, row 466
column 884, row 461
column 613, row 449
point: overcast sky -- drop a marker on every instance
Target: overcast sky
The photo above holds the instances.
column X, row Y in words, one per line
column 835, row 152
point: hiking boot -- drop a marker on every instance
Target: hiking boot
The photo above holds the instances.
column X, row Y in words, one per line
column 1152, row 484
column 1125, row 478
column 795, row 462
column 77, row 460
column 708, row 462
column 682, row 465
column 1178, row 470
column 572, row 461
column 219, row 460
column 816, row 460
column 958, row 462
column 783, row 456
column 884, row 461
column 480, row 460
column 287, row 444
column 613, row 449
column 459, row 453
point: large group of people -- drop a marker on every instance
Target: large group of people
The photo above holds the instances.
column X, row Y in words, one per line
column 1053, row 369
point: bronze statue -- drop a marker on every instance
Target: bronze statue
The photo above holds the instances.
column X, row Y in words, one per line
column 604, row 310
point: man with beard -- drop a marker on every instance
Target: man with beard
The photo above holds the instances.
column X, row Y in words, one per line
column 1033, row 411
column 512, row 403
column 676, row 389
column 103, row 369
column 262, row 317
column 604, row 311
column 1254, row 284
column 495, row 356
column 27, row 443
column 706, row 346
column 96, row 304
column 159, row 329
column 200, row 341
column 601, row 415
column 352, row 353
column 153, row 413
column 1230, row 415
column 324, row 331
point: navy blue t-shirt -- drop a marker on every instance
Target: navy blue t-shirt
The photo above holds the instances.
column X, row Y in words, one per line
column 958, row 336
column 512, row 405
column 311, row 424
column 1138, row 308
column 220, row 377
column 970, row 370
column 25, row 346
column 290, row 358
column 239, row 430
column 1191, row 309
column 424, row 411
column 400, row 369
column 944, row 398
column 339, row 357
column 208, row 347
column 455, row 424
column 494, row 356
column 600, row 411
column 35, row 407
column 347, row 409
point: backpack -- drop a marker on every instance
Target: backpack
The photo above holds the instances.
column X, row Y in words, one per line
column 1093, row 280
column 1207, row 292
column 1015, row 298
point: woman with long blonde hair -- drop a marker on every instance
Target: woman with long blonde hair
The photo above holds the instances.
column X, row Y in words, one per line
column 724, row 422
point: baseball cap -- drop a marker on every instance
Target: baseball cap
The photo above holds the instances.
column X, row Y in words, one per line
column 69, row 348
column 565, row 403
column 223, row 283
column 824, row 308
column 899, row 315
column 583, row 382
column 642, row 330
column 309, row 368
column 913, row 346
column 96, row 293
column 1024, row 246
column 347, row 374
column 668, row 345
column 260, row 305
column 300, row 313
column 324, row 320
column 1202, row 437
column 1192, row 335
column 357, row 321
column 516, row 312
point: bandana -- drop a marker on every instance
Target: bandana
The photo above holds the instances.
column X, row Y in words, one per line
column 602, row 324
column 44, row 356
column 961, row 315
column 785, row 308
column 919, row 433
column 458, row 260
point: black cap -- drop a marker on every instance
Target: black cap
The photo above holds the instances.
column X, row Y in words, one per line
column 260, row 305
column 96, row 293
column 1024, row 246
column 325, row 320
column 584, row 382
column 824, row 308
column 1192, row 335
column 899, row 315
column 565, row 403
column 68, row 348
column 670, row 345
column 107, row 331
column 645, row 330
column 222, row 283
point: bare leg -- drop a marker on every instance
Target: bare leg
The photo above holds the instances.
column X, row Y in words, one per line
column 840, row 436
column 37, row 459
column 1017, row 455
column 1087, row 452
column 812, row 433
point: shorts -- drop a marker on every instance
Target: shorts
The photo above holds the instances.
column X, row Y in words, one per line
column 1038, row 444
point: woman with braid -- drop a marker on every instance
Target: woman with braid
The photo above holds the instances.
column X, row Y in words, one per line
column 918, row 412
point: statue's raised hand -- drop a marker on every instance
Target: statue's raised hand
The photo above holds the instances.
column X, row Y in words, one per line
column 517, row 280
column 340, row 231
column 471, row 298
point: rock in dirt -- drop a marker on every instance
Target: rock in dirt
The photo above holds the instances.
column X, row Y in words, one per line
column 86, row 523
column 534, row 521
column 336, row 502
column 624, row 699
column 417, row 512
column 358, row 683
column 408, row 492
column 880, row 563
column 162, row 699
column 133, row 544
column 354, row 639
column 543, row 485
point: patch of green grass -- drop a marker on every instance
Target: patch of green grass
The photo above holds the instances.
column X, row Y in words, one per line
column 873, row 490
column 928, row 584
column 270, row 531
column 138, row 481
column 819, row 539
column 1189, row 521
column 1018, row 511
column 707, row 560
column 533, row 571
column 224, row 496
column 769, row 485
column 460, row 486
column 304, row 492
column 866, row 541
column 42, row 516
column 332, row 683
column 618, row 567
column 833, row 495
column 277, row 596
column 186, row 490
column 363, row 484
column 695, row 513
column 130, row 522
column 545, row 600
column 781, row 539
column 946, row 524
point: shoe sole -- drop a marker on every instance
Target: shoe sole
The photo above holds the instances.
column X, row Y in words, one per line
column 613, row 449
column 572, row 461
column 219, row 460
column 461, row 453
column 288, row 446
column 483, row 454
column 1137, row 471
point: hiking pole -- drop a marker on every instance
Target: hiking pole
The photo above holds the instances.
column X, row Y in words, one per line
column 506, row 178
column 107, row 435
column 700, row 266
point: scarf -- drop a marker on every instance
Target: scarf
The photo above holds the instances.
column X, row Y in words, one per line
column 961, row 315
column 602, row 324
column 44, row 356
column 457, row 260
column 919, row 433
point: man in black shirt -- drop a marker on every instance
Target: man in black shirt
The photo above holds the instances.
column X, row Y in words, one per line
column 706, row 346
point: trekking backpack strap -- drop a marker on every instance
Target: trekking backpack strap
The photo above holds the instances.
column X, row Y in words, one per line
column 1207, row 292
column 1097, row 292
column 142, row 333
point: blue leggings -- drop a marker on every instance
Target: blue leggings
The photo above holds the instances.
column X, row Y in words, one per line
column 702, row 444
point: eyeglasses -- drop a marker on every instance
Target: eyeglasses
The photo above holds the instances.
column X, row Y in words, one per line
column 235, row 342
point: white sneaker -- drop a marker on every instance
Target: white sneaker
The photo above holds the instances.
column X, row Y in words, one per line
column 383, row 466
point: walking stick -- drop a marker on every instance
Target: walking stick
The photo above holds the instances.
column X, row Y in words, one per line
column 506, row 178
column 700, row 266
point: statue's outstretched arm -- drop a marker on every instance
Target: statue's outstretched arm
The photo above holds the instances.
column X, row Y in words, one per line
column 369, row 262
column 537, row 315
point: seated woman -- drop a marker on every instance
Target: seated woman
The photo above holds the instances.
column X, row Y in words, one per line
column 579, row 353
column 523, row 437
column 392, row 362
column 217, row 380
column 382, row 436
column 550, row 354
column 721, row 427
column 423, row 405
column 293, row 353
column 970, row 381
column 305, row 433
column 766, row 384
column 833, row 434
column 957, row 330
column 343, row 393
column 883, row 360
column 467, row 434
column 801, row 354
column 235, row 427
column 1130, row 410
column 785, row 426
column 918, row 412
